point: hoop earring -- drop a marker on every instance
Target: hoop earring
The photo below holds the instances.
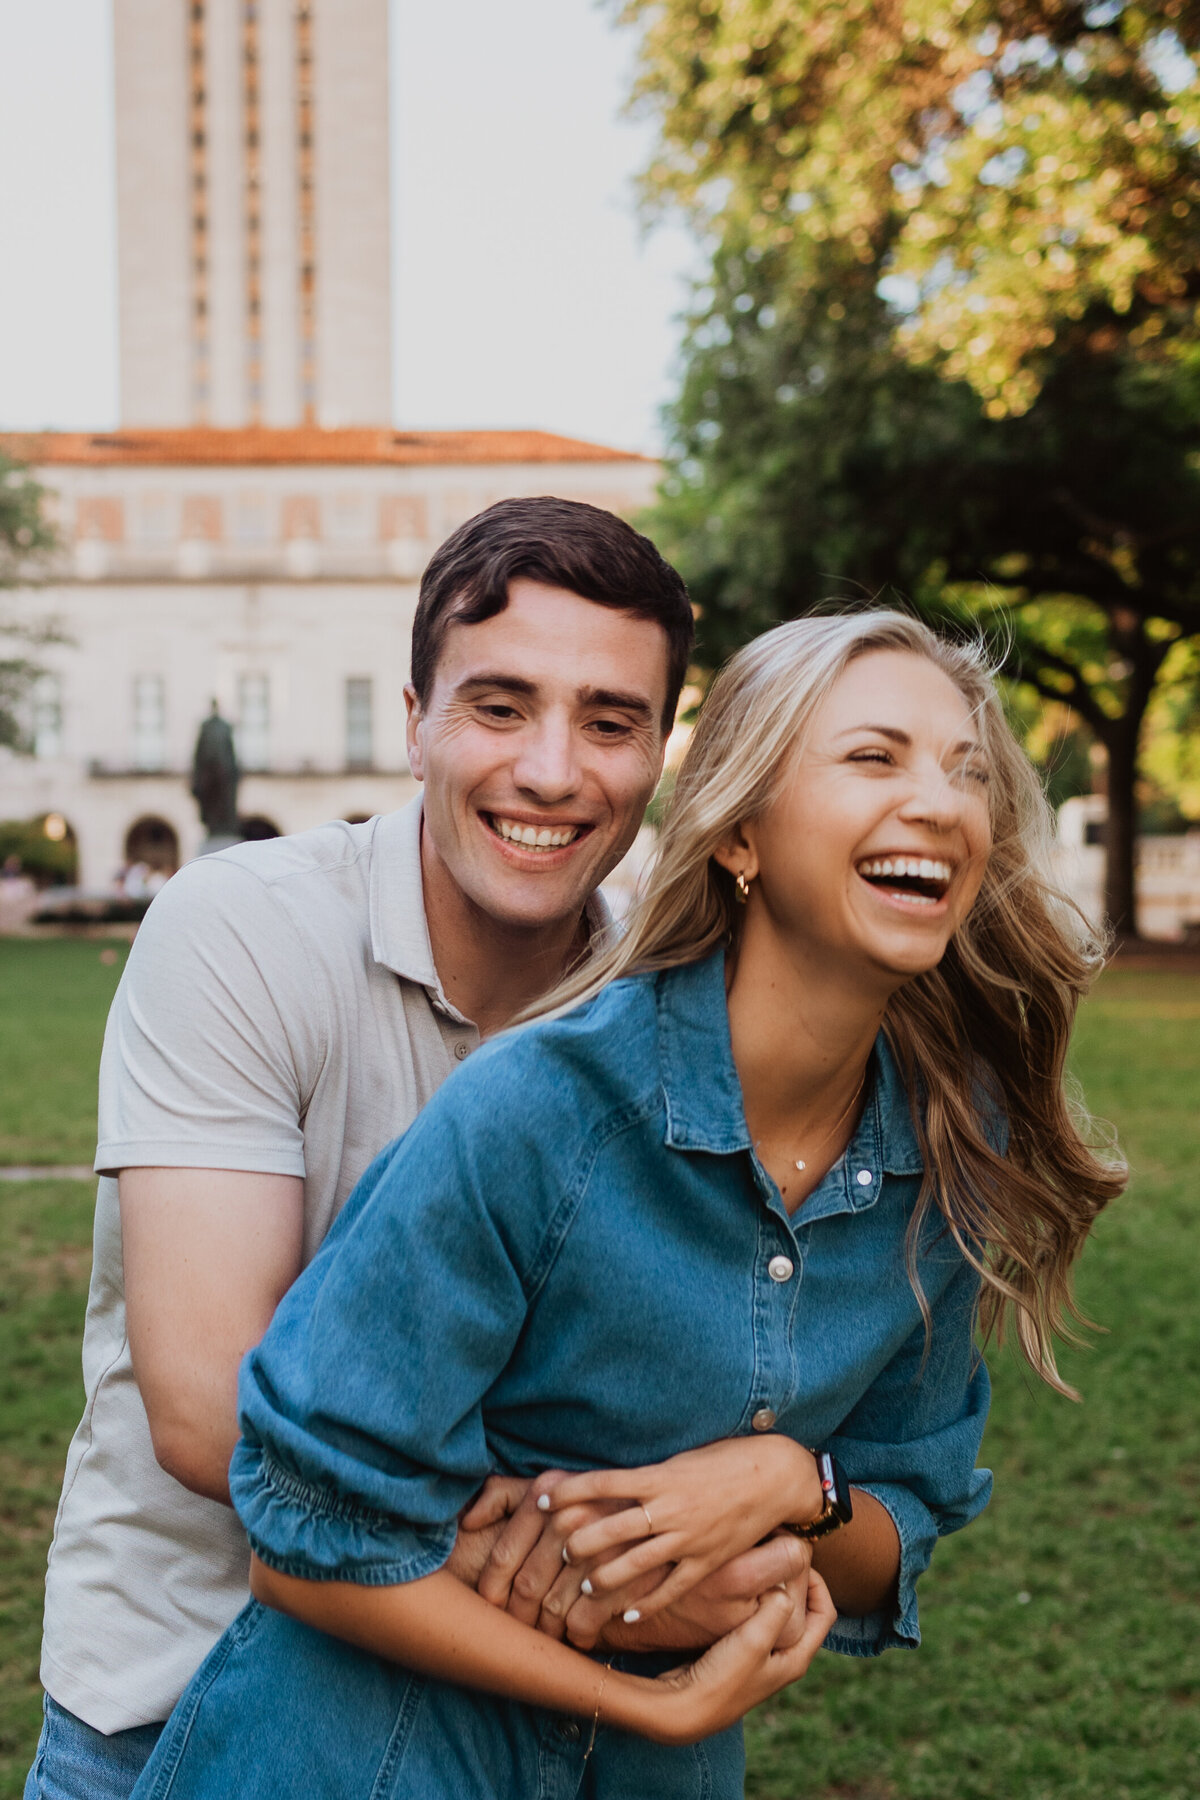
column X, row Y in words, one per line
column 742, row 887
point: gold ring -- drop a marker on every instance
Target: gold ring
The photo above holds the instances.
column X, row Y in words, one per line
column 649, row 1520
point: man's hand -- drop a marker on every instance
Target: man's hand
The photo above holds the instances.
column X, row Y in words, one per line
column 513, row 1552
column 209, row 1254
column 717, row 1605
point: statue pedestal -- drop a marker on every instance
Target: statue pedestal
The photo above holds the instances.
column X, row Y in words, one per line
column 223, row 842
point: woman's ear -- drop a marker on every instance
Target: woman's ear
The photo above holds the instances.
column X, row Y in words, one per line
column 738, row 852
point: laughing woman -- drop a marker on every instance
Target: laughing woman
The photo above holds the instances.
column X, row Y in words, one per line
column 798, row 1132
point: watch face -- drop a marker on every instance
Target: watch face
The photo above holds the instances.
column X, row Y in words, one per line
column 835, row 1488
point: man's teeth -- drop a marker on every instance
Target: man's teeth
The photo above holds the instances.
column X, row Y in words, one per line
column 535, row 837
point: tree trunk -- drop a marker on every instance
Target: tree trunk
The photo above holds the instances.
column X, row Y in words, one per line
column 1120, row 895
column 1143, row 658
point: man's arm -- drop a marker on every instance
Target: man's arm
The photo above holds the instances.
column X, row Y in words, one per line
column 209, row 1253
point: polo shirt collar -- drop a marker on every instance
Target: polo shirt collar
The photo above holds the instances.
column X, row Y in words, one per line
column 399, row 929
column 399, row 933
column 704, row 1095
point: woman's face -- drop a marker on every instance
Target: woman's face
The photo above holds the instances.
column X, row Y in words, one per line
column 875, row 852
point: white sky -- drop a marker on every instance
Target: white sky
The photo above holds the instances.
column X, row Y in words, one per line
column 525, row 293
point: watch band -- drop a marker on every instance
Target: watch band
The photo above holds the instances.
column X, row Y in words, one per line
column 837, row 1510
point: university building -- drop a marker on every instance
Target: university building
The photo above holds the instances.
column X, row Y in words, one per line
column 255, row 530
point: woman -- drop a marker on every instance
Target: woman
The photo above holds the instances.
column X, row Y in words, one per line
column 750, row 1197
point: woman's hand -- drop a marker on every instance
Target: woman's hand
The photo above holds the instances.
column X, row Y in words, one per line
column 739, row 1672
column 695, row 1511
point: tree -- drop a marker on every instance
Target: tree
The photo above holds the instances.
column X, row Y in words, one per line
column 25, row 538
column 814, row 460
column 1014, row 164
column 959, row 245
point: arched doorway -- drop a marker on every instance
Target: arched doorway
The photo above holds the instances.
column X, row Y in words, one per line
column 154, row 842
column 257, row 827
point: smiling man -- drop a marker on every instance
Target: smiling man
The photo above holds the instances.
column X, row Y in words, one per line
column 287, row 1009
column 539, row 735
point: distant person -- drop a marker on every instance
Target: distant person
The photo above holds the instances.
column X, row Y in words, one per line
column 287, row 1007
column 744, row 1200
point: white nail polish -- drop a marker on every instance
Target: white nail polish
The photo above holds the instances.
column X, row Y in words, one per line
column 632, row 1616
column 585, row 1587
column 543, row 1503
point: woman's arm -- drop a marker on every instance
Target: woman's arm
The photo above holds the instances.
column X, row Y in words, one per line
column 436, row 1626
column 861, row 1562
column 690, row 1514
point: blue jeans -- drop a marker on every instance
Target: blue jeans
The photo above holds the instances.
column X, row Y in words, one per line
column 75, row 1762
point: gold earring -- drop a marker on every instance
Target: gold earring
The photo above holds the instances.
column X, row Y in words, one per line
column 742, row 886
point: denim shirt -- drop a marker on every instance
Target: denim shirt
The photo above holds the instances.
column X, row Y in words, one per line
column 573, row 1259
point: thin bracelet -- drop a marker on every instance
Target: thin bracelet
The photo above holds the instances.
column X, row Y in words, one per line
column 596, row 1714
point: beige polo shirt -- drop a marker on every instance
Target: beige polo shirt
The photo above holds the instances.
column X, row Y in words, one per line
column 280, row 1012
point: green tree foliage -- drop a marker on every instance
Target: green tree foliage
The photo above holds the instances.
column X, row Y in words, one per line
column 26, row 537
column 1015, row 165
column 950, row 345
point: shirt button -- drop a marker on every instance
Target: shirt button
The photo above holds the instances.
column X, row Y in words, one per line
column 781, row 1268
column 568, row 1731
column 463, row 1050
column 763, row 1419
column 864, row 1178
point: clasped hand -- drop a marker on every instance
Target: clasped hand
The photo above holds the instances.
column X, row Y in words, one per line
column 686, row 1543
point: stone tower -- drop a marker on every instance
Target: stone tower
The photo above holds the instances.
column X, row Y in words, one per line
column 253, row 215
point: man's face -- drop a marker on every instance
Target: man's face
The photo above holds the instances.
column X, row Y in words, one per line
column 539, row 747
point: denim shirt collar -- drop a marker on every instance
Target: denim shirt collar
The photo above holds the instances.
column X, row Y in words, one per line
column 704, row 1096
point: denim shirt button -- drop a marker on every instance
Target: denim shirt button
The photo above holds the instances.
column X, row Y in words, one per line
column 781, row 1268
column 864, row 1178
column 568, row 1731
column 763, row 1419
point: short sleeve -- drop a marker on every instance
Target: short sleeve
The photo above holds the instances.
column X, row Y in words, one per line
column 215, row 1034
column 362, row 1409
column 912, row 1442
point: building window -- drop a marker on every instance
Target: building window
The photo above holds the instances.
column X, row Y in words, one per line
column 360, row 750
column 254, row 721
column 157, row 518
column 47, row 716
column 348, row 517
column 251, row 519
column 149, row 722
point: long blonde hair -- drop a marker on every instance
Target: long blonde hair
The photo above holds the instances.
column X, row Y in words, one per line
column 997, row 1010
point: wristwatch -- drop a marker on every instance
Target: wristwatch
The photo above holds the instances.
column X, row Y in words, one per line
column 837, row 1510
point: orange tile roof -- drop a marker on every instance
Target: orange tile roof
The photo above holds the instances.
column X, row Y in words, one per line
column 263, row 445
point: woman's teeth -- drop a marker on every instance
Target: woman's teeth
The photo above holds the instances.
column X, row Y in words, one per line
column 931, row 877
column 534, row 837
column 917, row 868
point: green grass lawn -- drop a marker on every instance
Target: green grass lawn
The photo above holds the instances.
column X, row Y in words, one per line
column 1060, row 1658
column 56, row 994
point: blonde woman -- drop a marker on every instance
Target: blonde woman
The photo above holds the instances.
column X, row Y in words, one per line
column 794, row 1135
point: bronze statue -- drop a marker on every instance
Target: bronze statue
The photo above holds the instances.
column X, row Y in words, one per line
column 215, row 776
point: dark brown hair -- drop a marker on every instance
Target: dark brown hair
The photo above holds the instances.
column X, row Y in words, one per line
column 562, row 543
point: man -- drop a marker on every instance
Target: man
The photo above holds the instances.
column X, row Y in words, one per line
column 288, row 1008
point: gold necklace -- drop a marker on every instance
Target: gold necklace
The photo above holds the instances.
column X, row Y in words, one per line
column 841, row 1120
